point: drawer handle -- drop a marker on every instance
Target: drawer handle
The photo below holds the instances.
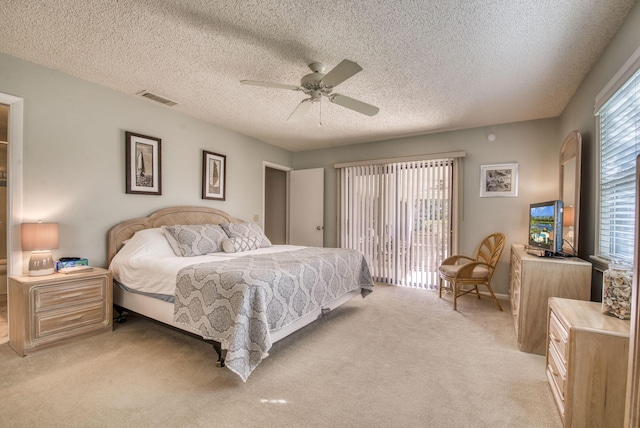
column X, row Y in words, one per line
column 553, row 372
column 71, row 296
column 553, row 337
column 77, row 317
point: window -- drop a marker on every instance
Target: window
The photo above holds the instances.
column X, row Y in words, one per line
column 619, row 136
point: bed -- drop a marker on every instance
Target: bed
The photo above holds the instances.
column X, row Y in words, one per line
column 243, row 299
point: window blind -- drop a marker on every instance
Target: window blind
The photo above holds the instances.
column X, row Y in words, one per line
column 619, row 133
column 399, row 215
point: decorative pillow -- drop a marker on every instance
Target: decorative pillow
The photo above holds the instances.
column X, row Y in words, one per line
column 234, row 245
column 247, row 230
column 195, row 239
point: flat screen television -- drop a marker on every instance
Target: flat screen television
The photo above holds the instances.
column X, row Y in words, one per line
column 545, row 226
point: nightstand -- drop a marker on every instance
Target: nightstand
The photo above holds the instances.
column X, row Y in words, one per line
column 49, row 310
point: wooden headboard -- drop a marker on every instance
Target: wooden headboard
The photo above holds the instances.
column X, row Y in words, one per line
column 164, row 217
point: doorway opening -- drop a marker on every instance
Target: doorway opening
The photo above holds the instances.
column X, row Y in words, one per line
column 276, row 205
column 13, row 183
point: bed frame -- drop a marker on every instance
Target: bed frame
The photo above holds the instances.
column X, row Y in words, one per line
column 161, row 310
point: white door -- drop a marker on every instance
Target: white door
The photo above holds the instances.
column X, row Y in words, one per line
column 306, row 207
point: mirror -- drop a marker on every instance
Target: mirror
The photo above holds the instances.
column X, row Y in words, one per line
column 570, row 161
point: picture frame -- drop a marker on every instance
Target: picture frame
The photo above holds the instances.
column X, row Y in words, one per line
column 214, row 176
column 499, row 180
column 143, row 164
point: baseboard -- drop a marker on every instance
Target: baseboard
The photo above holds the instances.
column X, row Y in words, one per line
column 498, row 295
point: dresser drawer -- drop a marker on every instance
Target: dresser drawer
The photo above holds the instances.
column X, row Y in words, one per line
column 70, row 293
column 557, row 375
column 56, row 322
column 558, row 338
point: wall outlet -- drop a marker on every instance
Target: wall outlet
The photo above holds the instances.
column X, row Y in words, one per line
column 256, row 217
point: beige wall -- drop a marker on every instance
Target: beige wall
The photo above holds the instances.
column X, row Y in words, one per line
column 74, row 156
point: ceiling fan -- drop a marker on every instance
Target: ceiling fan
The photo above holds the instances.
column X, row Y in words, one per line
column 318, row 85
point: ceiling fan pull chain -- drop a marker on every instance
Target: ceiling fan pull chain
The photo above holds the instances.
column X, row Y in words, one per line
column 320, row 122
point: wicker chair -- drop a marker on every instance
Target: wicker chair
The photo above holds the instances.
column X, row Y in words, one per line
column 461, row 271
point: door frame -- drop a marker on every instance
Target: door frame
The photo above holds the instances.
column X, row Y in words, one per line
column 15, row 158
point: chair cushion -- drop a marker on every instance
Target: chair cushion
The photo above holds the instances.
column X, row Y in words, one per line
column 450, row 271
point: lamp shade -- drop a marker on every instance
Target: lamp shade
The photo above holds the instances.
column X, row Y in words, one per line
column 39, row 236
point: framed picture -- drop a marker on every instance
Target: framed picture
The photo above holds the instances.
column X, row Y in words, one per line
column 143, row 168
column 499, row 180
column 214, row 175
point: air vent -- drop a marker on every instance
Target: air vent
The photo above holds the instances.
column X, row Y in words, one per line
column 157, row 98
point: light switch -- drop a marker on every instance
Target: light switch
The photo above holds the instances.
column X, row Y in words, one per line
column 256, row 217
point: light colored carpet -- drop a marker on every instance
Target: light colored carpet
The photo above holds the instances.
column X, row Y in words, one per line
column 399, row 358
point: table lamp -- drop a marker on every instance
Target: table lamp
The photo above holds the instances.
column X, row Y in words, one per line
column 40, row 238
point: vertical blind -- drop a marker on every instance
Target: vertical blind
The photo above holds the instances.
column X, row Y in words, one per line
column 399, row 216
column 619, row 132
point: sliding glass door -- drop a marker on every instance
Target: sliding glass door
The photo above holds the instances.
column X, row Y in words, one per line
column 399, row 215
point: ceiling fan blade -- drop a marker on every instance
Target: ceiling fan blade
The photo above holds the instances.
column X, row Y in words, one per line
column 353, row 104
column 341, row 72
column 271, row 85
column 300, row 111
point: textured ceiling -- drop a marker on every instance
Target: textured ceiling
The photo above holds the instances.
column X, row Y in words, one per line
column 429, row 65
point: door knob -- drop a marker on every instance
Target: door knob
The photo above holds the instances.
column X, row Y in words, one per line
column 319, row 228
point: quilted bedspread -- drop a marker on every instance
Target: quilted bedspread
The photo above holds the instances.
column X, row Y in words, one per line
column 237, row 302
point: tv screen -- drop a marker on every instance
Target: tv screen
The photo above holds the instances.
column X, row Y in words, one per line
column 545, row 226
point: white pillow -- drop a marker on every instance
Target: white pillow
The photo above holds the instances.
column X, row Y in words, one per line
column 149, row 242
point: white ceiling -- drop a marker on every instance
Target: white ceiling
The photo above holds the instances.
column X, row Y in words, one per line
column 430, row 65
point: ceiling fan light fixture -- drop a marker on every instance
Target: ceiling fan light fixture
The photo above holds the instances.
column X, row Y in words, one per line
column 316, row 85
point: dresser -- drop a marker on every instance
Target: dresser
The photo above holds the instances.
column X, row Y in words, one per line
column 50, row 310
column 532, row 281
column 587, row 359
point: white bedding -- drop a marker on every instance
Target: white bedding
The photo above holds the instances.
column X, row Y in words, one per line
column 146, row 263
